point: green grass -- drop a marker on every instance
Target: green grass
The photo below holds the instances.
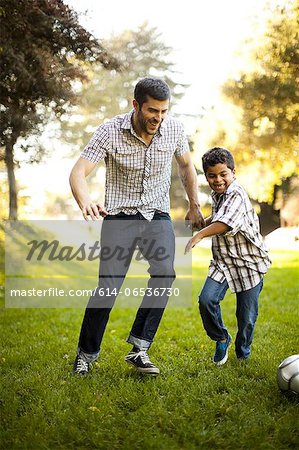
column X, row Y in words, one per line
column 191, row 405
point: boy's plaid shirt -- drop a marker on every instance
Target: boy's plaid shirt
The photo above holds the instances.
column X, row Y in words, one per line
column 240, row 255
column 137, row 176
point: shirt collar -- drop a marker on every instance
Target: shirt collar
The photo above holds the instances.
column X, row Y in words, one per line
column 163, row 126
column 127, row 123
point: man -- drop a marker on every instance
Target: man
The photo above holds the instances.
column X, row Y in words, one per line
column 137, row 148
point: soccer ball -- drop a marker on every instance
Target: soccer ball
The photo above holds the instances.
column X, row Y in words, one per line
column 288, row 374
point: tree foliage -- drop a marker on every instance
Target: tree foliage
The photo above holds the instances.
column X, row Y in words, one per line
column 141, row 53
column 268, row 98
column 257, row 118
column 42, row 51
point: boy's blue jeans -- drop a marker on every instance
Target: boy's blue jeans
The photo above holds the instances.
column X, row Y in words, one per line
column 246, row 312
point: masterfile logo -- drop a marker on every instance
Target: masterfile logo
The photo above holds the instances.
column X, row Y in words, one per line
column 55, row 264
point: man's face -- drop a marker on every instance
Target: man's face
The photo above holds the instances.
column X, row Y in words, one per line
column 220, row 177
column 151, row 114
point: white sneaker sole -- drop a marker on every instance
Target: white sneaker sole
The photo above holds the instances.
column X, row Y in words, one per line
column 223, row 361
column 149, row 370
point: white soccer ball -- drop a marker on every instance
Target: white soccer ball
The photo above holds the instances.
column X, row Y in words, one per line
column 288, row 374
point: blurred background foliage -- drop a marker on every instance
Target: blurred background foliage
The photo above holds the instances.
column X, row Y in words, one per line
column 258, row 119
column 59, row 78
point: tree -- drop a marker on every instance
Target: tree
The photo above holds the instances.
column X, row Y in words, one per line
column 141, row 53
column 42, row 51
column 262, row 129
column 269, row 98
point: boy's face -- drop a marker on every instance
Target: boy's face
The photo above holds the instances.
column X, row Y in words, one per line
column 220, row 177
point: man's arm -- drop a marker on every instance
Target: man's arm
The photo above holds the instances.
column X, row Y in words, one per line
column 79, row 173
column 189, row 179
column 208, row 221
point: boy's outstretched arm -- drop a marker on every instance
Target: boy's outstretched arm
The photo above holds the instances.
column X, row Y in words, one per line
column 210, row 230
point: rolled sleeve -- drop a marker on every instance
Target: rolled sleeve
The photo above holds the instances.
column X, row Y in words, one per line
column 231, row 213
column 182, row 144
column 96, row 149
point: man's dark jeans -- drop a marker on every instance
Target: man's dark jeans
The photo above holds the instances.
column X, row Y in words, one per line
column 121, row 235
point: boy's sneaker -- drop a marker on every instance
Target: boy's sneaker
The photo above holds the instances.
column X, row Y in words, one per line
column 81, row 367
column 141, row 362
column 221, row 352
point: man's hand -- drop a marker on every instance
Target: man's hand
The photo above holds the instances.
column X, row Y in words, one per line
column 195, row 216
column 79, row 173
column 189, row 179
column 93, row 211
column 193, row 241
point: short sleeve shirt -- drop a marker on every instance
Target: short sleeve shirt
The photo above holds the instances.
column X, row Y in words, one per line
column 137, row 176
column 240, row 255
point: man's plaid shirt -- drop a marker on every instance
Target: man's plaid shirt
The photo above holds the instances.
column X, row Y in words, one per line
column 137, row 176
column 240, row 255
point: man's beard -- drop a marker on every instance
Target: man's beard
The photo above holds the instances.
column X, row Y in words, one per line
column 143, row 124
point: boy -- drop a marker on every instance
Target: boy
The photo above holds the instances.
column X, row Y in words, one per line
column 240, row 258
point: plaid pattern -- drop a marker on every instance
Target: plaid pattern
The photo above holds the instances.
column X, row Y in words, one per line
column 240, row 255
column 137, row 176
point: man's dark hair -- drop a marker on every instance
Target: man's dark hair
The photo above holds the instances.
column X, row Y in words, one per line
column 217, row 155
column 152, row 87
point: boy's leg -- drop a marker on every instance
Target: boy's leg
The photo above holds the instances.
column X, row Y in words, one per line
column 209, row 306
column 246, row 313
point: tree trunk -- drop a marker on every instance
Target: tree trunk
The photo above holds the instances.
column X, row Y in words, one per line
column 13, row 196
column 269, row 218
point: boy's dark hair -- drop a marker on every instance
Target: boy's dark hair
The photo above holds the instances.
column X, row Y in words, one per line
column 217, row 155
column 153, row 87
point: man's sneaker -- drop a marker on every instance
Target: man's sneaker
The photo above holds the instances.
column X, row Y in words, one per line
column 221, row 352
column 81, row 367
column 141, row 362
column 243, row 358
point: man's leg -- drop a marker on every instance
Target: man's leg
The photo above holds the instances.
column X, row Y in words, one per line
column 158, row 234
column 117, row 246
column 246, row 313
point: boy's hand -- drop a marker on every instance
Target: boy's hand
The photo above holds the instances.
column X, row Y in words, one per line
column 193, row 241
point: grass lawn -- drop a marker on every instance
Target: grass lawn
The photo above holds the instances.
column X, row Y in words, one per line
column 191, row 405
